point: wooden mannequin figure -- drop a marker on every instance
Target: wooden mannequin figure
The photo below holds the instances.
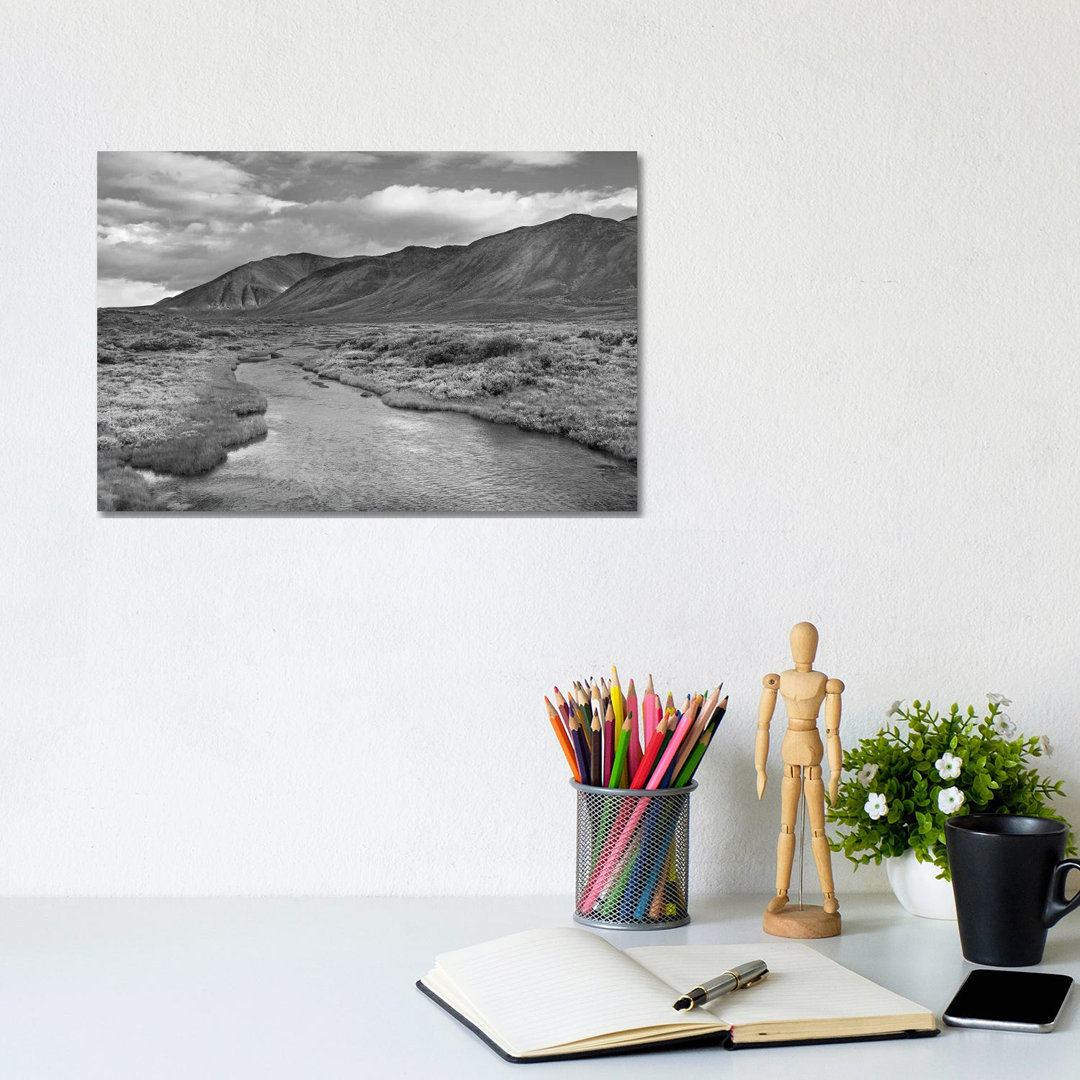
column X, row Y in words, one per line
column 803, row 691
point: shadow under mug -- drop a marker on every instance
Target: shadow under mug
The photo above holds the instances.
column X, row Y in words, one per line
column 1008, row 876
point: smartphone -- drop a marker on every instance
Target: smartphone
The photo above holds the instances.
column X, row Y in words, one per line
column 1013, row 1000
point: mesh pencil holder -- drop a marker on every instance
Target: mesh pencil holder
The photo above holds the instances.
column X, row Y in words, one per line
column 633, row 857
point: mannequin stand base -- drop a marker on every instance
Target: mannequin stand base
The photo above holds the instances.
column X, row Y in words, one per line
column 801, row 921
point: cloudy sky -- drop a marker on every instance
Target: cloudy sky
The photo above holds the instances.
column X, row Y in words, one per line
column 169, row 220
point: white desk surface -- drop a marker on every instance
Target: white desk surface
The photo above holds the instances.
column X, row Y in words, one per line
column 309, row 989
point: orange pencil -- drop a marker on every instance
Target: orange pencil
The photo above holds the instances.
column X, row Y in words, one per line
column 564, row 740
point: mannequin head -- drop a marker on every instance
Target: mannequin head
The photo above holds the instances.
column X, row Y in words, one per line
column 804, row 640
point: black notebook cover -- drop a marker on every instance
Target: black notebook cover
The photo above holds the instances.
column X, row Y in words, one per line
column 716, row 1038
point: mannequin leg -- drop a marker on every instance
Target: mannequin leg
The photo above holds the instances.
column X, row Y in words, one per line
column 790, row 790
column 815, row 805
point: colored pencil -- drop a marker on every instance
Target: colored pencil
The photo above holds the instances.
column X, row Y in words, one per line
column 564, row 709
column 617, row 703
column 685, row 726
column 624, row 837
column 609, row 743
column 577, row 740
column 564, row 740
column 614, row 741
column 704, row 713
column 633, row 759
column 622, row 750
column 581, row 696
column 596, row 755
column 694, row 760
column 648, row 758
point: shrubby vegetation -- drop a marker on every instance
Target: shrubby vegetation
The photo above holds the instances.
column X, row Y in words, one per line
column 563, row 379
column 167, row 401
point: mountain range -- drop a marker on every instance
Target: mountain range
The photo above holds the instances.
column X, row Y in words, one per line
column 574, row 267
column 249, row 286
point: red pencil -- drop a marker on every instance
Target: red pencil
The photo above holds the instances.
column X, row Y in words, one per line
column 648, row 758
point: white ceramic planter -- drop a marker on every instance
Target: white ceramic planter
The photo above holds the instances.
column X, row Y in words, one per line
column 917, row 887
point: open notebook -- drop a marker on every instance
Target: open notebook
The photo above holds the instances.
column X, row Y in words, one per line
column 562, row 992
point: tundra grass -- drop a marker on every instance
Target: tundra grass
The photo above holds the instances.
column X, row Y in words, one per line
column 580, row 382
column 168, row 401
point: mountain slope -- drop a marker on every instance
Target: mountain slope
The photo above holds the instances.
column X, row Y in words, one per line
column 357, row 278
column 249, row 286
column 573, row 267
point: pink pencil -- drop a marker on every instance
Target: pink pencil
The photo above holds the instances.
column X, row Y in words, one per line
column 703, row 716
column 635, row 729
column 648, row 758
column 603, row 874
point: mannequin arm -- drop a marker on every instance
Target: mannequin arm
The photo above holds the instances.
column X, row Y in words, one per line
column 761, row 744
column 833, row 689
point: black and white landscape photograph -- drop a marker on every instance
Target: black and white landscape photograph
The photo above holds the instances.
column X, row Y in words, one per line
column 367, row 332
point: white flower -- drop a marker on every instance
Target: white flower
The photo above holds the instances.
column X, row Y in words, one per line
column 866, row 774
column 1003, row 725
column 950, row 800
column 998, row 699
column 876, row 806
column 1047, row 748
column 895, row 709
column 948, row 766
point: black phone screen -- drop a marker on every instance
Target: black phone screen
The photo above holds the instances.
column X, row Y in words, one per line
column 1013, row 999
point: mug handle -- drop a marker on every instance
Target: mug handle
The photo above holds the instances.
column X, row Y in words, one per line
column 1056, row 904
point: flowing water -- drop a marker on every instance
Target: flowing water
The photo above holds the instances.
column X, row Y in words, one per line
column 331, row 448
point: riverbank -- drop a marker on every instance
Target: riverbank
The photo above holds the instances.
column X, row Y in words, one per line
column 578, row 382
column 335, row 448
column 168, row 401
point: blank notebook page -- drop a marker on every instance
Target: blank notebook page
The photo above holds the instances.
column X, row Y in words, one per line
column 577, row 986
column 802, row 984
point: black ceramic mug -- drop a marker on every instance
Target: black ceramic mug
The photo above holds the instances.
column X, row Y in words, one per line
column 1008, row 876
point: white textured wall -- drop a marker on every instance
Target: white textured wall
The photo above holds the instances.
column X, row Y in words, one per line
column 859, row 391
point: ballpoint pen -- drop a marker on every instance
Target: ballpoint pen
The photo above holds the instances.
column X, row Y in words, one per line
column 738, row 978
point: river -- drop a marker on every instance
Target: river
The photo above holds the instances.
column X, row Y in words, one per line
column 329, row 447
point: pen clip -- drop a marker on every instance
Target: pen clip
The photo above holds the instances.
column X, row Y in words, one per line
column 754, row 981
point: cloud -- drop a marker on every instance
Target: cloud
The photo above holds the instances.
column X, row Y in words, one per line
column 187, row 184
column 402, row 214
column 529, row 159
column 120, row 292
column 173, row 220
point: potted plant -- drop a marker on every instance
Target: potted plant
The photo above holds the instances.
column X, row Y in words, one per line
column 898, row 788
